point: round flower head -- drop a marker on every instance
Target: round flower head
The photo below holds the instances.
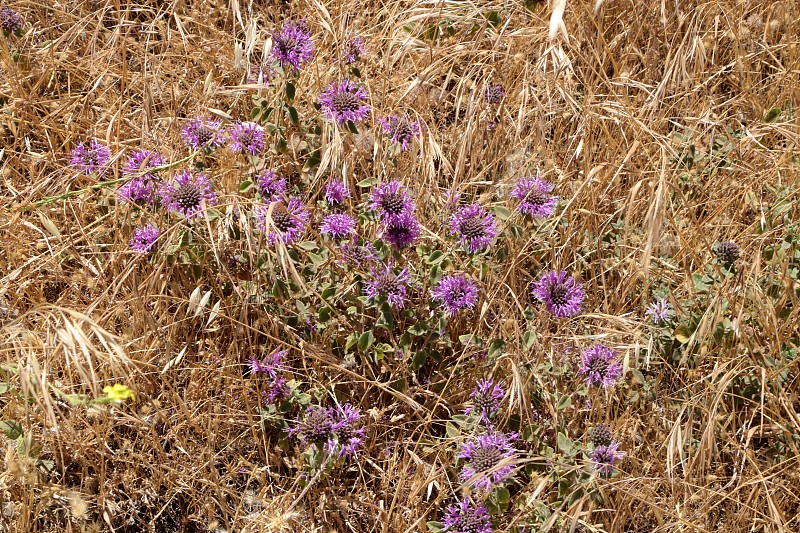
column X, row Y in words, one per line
column 144, row 238
column 354, row 50
column 343, row 101
column 456, row 292
column 561, row 294
column 401, row 231
column 385, row 283
column 495, row 93
column 659, row 311
column 348, row 437
column 727, row 252
column 271, row 187
column 357, row 255
column 272, row 365
column 139, row 190
column 316, row 426
column 246, row 137
column 400, row 130
column 605, row 457
column 391, row 200
column 336, row 192
column 338, row 225
column 185, row 195
column 293, row 47
column 142, row 160
column 475, row 227
column 10, row 20
column 464, row 518
column 534, row 196
column 600, row 366
column 288, row 223
column 486, row 399
column 92, row 159
column 487, row 460
column 202, row 132
column 600, row 435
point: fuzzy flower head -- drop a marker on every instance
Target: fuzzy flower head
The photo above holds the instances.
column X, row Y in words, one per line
column 495, row 93
column 144, row 238
column 91, row 159
column 185, row 195
column 605, row 457
column 293, row 47
column 10, row 20
column 727, row 252
column 202, row 132
column 476, row 229
column 353, row 50
column 357, row 255
column 562, row 295
column 343, row 101
column 338, row 226
column 316, row 427
column 600, row 366
column 534, row 196
column 600, row 435
column 391, row 200
column 487, row 460
column 246, row 138
column 336, row 192
column 348, row 436
column 401, row 231
column 464, row 518
column 455, row 292
column 139, row 190
column 288, row 223
column 142, row 160
column 271, row 187
column 401, row 130
column 486, row 399
column 659, row 311
column 385, row 283
column 272, row 365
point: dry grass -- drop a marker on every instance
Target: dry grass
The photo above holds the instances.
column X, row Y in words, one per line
column 596, row 113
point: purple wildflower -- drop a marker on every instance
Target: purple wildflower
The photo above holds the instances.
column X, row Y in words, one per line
column 486, row 399
column 727, row 252
column 316, row 426
column 401, row 231
column 391, row 200
column 92, row 159
column 343, row 101
column 659, row 311
column 487, row 457
column 10, row 20
column 336, row 192
column 272, row 365
column 246, row 137
column 139, row 190
column 357, row 255
column 385, row 283
column 600, row 366
column 562, row 295
column 605, row 457
column 338, row 225
column 141, row 160
column 354, row 50
column 463, row 518
column 202, row 132
column 288, row 223
column 495, row 93
column 271, row 187
column 347, row 436
column 278, row 390
column 187, row 193
column 600, row 435
column 144, row 238
column 475, row 227
column 293, row 46
column 534, row 196
column 456, row 292
column 400, row 129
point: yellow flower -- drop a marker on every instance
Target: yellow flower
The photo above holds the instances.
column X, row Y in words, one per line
column 118, row 393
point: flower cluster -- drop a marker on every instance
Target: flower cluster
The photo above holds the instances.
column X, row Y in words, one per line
column 489, row 460
column 562, row 295
column 246, row 138
column 91, row 159
column 336, row 192
column 202, row 132
column 343, row 101
column 338, row 430
column 386, row 284
column 659, row 311
column 600, row 366
column 144, row 238
column 142, row 188
column 456, row 292
column 10, row 20
column 353, row 50
column 273, row 366
column 187, row 194
column 401, row 130
column 534, row 196
column 463, row 517
column 475, row 228
column 486, row 399
column 293, row 47
column 284, row 223
column 271, row 187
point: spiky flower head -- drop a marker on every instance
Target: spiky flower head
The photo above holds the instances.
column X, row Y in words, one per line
column 186, row 193
column 534, row 195
column 353, row 50
column 487, row 459
column 246, row 138
column 600, row 366
column 463, row 517
column 495, row 93
column 336, row 192
column 271, row 187
column 343, row 101
column 316, row 427
column 142, row 160
column 400, row 129
column 727, row 252
column 659, row 311
column 338, row 226
column 357, row 255
column 475, row 227
column 202, row 132
column 293, row 47
column 91, row 159
column 391, row 200
column 348, row 436
column 288, row 222
column 486, row 399
column 605, row 457
column 139, row 190
column 10, row 20
column 385, row 283
column 562, row 295
column 144, row 238
column 272, row 365
column 401, row 231
column 455, row 291
column 600, row 435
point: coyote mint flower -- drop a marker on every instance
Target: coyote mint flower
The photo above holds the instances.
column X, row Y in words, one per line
column 92, row 159
column 385, row 283
column 343, row 101
column 456, row 292
column 600, row 366
column 464, row 518
column 293, row 46
column 475, row 228
column 486, row 399
column 185, row 195
column 605, row 457
column 535, row 198
column 487, row 460
column 562, row 295
column 144, row 238
column 391, row 200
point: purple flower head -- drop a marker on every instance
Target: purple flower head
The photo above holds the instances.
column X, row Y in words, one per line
column 534, row 196
column 144, row 238
column 272, row 365
column 600, row 366
column 561, row 294
column 141, row 160
column 385, row 283
column 348, row 436
column 288, row 223
column 659, row 311
column 336, row 192
column 271, row 187
column 338, row 226
column 139, row 190
column 357, row 255
column 353, row 50
column 186, row 193
column 316, row 426
column 10, row 20
column 475, row 227
column 92, row 159
column 456, row 292
column 727, row 252
column 486, row 399
column 343, row 101
column 605, row 457
column 600, row 435
column 391, row 200
column 246, row 137
column 401, row 231
column 495, row 93
column 278, row 390
column 202, row 132
column 293, row 46
column 487, row 458
column 464, row 518
column 400, row 129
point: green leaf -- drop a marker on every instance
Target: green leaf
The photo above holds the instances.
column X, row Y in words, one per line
column 308, row 246
column 11, row 428
column 367, row 182
column 365, row 341
column 290, row 91
column 470, row 339
column 400, row 385
column 435, row 258
column 564, row 402
column 496, row 348
column 419, row 329
column 503, row 213
column 528, row 339
column 452, row 431
column 245, row 186
column 324, row 314
column 435, row 527
column 772, row 114
column 418, row 360
column 565, row 444
column 295, row 118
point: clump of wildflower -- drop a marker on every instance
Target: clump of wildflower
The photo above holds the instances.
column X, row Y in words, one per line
column 400, row 129
column 487, row 460
column 141, row 160
column 600, row 366
column 273, row 366
column 246, row 137
column 486, row 399
column 139, row 190
column 202, row 132
column 561, row 294
column 475, row 227
column 391, row 200
column 495, row 93
column 401, row 231
column 727, row 252
column 600, row 435
column 456, row 292
column 343, row 101
column 384, row 282
column 144, row 238
column 91, row 159
column 464, row 518
column 10, row 20
column 185, row 195
column 659, row 311
column 293, row 46
column 336, row 192
column 357, row 255
column 605, row 457
column 316, row 427
column 534, row 196
column 338, row 225
column 348, row 436
column 288, row 222
column 353, row 50
column 271, row 187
